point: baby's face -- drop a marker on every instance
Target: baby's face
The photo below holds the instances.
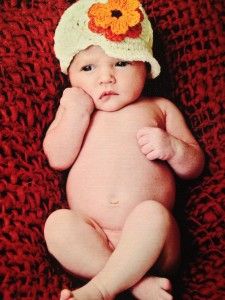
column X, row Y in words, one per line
column 112, row 83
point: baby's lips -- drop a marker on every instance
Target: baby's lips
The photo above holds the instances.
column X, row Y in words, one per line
column 107, row 93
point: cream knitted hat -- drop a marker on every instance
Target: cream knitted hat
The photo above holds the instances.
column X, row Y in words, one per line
column 120, row 27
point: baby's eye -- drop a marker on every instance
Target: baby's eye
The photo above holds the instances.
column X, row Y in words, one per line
column 123, row 63
column 87, row 68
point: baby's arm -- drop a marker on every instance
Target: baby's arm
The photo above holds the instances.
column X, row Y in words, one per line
column 65, row 135
column 175, row 144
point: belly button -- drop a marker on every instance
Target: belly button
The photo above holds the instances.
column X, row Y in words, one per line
column 114, row 201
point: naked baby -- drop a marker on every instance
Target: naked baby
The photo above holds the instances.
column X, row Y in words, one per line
column 123, row 150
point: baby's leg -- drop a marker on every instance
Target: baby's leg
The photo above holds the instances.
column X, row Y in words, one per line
column 145, row 241
column 63, row 232
column 76, row 243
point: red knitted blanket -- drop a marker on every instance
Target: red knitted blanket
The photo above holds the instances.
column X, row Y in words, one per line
column 190, row 45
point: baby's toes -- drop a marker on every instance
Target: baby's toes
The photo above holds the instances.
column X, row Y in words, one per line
column 66, row 295
column 165, row 284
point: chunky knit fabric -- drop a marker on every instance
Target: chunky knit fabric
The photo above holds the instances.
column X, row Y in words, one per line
column 190, row 46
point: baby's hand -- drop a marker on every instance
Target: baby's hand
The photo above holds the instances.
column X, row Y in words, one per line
column 76, row 98
column 156, row 143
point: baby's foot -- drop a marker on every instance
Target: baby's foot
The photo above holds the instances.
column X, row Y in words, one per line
column 153, row 288
column 87, row 292
column 66, row 295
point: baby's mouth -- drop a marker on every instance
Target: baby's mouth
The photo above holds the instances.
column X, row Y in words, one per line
column 105, row 95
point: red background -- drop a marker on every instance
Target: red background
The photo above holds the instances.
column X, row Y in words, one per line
column 190, row 45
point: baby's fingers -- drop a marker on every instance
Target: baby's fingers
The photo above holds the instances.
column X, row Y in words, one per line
column 150, row 152
column 143, row 140
column 152, row 155
column 143, row 131
column 146, row 149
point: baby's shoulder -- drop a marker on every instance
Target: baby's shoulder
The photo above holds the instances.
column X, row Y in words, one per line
column 159, row 102
column 167, row 108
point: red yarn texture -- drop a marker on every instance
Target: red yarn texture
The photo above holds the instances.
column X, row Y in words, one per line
column 190, row 45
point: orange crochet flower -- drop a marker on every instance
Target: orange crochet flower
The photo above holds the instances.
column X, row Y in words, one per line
column 116, row 19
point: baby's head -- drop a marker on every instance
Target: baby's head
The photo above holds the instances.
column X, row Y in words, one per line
column 120, row 27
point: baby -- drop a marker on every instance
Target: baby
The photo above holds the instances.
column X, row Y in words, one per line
column 123, row 150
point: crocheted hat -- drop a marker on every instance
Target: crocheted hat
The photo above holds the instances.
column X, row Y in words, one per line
column 120, row 27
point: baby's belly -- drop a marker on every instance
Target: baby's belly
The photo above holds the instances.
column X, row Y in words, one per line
column 111, row 176
column 108, row 194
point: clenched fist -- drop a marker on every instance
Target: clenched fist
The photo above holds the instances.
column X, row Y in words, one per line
column 156, row 143
column 76, row 98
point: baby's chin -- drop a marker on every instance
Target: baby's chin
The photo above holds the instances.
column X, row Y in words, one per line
column 111, row 106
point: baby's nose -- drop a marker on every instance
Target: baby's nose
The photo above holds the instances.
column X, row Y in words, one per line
column 106, row 76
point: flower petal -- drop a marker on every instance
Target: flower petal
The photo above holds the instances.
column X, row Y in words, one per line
column 116, row 4
column 134, row 32
column 101, row 15
column 132, row 17
column 124, row 4
column 96, row 9
column 119, row 26
column 131, row 5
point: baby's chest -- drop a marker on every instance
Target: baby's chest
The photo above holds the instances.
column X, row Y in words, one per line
column 111, row 140
column 121, row 126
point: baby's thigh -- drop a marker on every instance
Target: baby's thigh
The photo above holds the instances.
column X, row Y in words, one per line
column 65, row 225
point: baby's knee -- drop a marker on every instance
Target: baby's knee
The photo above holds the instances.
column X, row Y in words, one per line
column 60, row 225
column 54, row 223
column 152, row 211
column 57, row 226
